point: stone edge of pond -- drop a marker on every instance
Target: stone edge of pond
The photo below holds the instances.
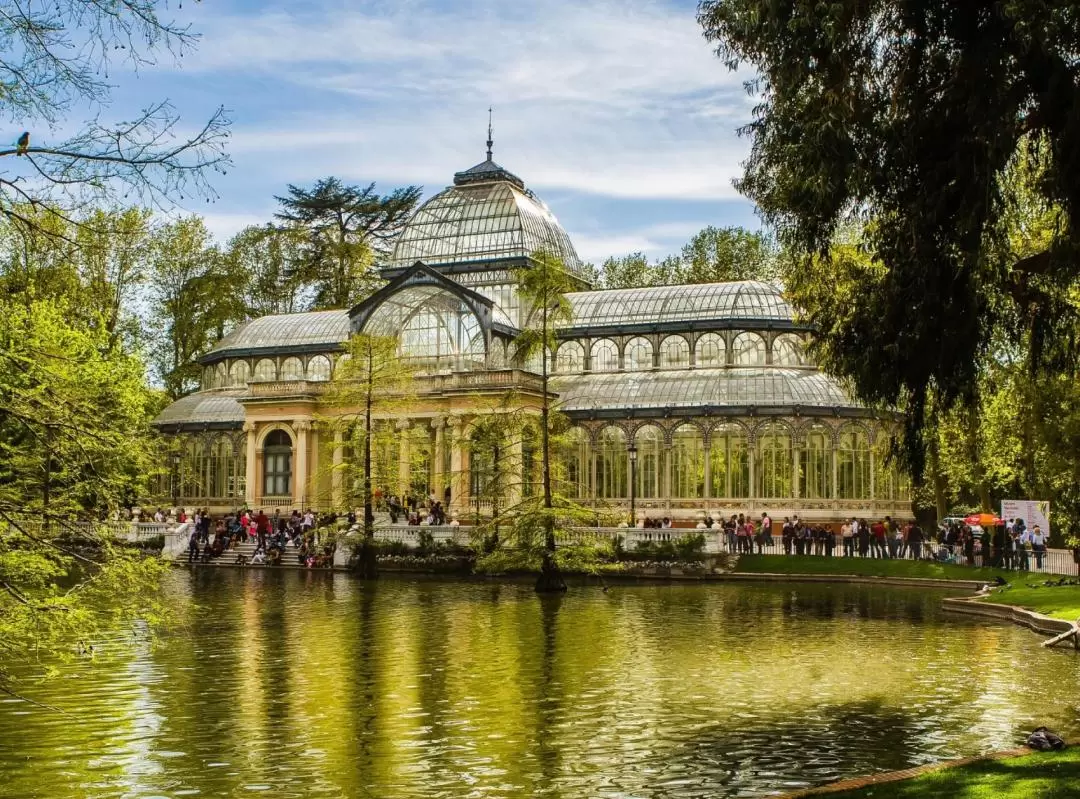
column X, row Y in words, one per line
column 1033, row 620
column 855, row 783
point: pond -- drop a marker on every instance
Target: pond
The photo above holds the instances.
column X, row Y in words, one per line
column 298, row 684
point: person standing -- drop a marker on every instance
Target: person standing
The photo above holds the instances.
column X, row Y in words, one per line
column 915, row 540
column 847, row 535
column 1038, row 546
column 262, row 528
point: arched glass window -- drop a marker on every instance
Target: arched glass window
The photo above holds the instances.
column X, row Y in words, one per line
column 729, row 463
column 574, row 449
column 787, row 350
column 318, row 368
column 604, row 356
column 637, row 355
column 649, row 440
column 570, row 358
column 853, row 464
column 611, row 464
column 748, row 349
column 192, row 469
column 498, row 353
column 687, row 463
column 710, row 350
column 434, row 325
column 277, row 464
column 341, row 363
column 421, row 458
column 238, row 374
column 221, row 375
column 815, row 472
column 885, row 469
column 774, row 462
column 265, row 371
column 292, row 369
column 674, row 353
column 208, row 378
column 225, row 474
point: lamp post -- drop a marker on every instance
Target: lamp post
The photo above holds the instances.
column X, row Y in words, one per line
column 632, row 452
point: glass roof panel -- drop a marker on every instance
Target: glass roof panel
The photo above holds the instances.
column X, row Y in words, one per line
column 482, row 221
column 203, row 407
column 764, row 387
column 284, row 330
column 748, row 300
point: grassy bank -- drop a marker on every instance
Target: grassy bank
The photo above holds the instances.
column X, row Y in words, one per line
column 1046, row 775
column 864, row 567
column 1059, row 601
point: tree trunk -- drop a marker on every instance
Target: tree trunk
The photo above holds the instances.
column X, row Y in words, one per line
column 940, row 498
column 368, row 565
column 550, row 579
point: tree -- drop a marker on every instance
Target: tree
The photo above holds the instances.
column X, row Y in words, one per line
column 370, row 386
column 57, row 60
column 264, row 255
column 111, row 251
column 194, row 299
column 345, row 228
column 909, row 114
column 635, row 271
column 543, row 286
column 74, row 411
column 717, row 255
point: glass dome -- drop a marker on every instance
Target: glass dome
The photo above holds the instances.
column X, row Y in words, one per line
column 487, row 215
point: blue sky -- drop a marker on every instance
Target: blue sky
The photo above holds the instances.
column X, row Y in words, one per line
column 616, row 113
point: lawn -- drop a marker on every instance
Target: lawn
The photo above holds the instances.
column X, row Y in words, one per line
column 1059, row 602
column 864, row 567
column 1043, row 775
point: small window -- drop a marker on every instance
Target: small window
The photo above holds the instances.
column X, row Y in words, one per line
column 710, row 350
column 748, row 349
column 570, row 358
column 674, row 353
column 265, row 371
column 605, row 356
column 637, row 357
column 787, row 351
column 318, row 368
column 292, row 369
column 238, row 373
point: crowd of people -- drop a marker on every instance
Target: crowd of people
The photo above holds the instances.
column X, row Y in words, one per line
column 1010, row 546
column 274, row 535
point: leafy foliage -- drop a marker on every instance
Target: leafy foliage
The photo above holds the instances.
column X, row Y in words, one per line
column 344, row 228
column 911, row 115
column 194, row 295
column 713, row 255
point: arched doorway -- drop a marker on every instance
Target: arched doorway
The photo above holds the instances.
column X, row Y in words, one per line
column 277, row 465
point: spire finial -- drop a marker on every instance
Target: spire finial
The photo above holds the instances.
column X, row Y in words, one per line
column 490, row 143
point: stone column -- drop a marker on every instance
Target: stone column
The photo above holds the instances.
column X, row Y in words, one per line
column 403, row 457
column 459, row 465
column 797, row 453
column 515, row 471
column 300, row 469
column 250, row 463
column 707, row 454
column 314, row 492
column 438, row 479
column 666, row 488
column 336, row 476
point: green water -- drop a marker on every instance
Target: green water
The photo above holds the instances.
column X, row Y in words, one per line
column 295, row 684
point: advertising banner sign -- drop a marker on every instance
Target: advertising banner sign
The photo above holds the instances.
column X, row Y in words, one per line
column 1030, row 510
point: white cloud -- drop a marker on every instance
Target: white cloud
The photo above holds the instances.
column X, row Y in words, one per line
column 614, row 99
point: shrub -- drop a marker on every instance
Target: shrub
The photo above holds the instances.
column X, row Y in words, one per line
column 691, row 547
